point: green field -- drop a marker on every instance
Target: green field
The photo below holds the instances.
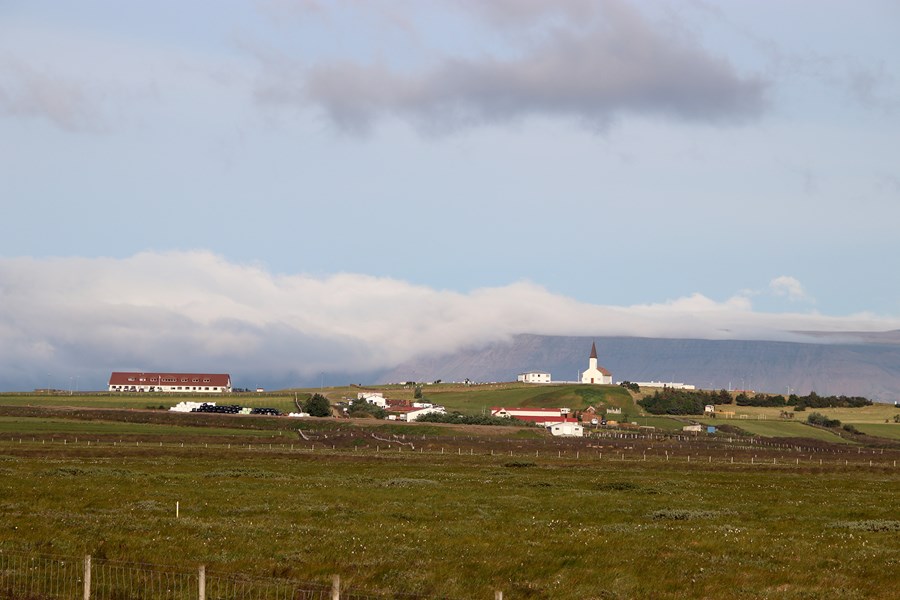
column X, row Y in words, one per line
column 785, row 429
column 282, row 401
column 877, row 413
column 478, row 399
column 886, row 430
column 661, row 423
column 464, row 526
column 26, row 426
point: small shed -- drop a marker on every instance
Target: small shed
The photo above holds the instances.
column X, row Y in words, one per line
column 567, row 429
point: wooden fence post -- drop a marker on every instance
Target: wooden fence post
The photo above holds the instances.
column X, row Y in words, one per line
column 335, row 587
column 498, row 595
column 201, row 583
column 87, row 577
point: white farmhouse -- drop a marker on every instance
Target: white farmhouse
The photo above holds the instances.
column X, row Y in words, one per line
column 376, row 398
column 595, row 373
column 534, row 377
column 419, row 411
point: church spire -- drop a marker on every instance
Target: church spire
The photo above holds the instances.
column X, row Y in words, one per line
column 593, row 350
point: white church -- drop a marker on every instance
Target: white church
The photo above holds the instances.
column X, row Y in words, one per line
column 595, row 373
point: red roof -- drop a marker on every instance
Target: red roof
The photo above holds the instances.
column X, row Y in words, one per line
column 183, row 379
column 528, row 408
column 547, row 419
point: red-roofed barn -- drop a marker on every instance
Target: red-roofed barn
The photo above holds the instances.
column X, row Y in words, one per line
column 188, row 383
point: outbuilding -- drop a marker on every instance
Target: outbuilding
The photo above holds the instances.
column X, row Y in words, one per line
column 566, row 429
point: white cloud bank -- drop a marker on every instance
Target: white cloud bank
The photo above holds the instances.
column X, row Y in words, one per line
column 197, row 311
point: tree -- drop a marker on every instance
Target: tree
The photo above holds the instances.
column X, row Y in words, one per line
column 418, row 393
column 318, row 406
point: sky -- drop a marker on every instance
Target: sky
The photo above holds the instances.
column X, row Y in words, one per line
column 283, row 189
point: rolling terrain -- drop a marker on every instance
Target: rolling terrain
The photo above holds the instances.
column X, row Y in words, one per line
column 850, row 364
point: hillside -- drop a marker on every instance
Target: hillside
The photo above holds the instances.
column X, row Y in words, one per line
column 476, row 400
column 851, row 364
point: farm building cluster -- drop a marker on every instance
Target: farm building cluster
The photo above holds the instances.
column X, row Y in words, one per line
column 398, row 410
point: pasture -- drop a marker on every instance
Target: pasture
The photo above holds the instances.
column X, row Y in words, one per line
column 456, row 512
column 779, row 429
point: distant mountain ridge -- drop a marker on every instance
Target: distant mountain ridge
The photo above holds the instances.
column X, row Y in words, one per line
column 854, row 364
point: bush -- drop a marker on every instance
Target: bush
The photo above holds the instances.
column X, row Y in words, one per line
column 851, row 429
column 462, row 419
column 821, row 420
column 362, row 407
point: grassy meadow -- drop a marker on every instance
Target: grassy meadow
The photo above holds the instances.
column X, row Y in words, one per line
column 283, row 401
column 478, row 399
column 876, row 413
column 463, row 526
column 784, row 429
column 457, row 511
column 31, row 426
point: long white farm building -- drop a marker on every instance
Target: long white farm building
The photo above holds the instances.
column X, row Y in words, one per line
column 189, row 383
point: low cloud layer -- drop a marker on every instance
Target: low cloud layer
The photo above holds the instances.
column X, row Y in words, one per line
column 590, row 62
column 187, row 311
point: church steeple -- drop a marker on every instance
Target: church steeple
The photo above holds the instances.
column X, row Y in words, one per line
column 595, row 373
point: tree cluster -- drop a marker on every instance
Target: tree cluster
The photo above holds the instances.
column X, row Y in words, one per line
column 821, row 420
column 669, row 401
column 691, row 402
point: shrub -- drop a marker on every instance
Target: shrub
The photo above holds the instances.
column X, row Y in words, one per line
column 674, row 514
column 365, row 407
column 871, row 526
column 461, row 419
column 821, row 420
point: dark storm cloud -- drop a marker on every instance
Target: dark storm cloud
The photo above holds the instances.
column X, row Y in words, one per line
column 618, row 63
column 27, row 90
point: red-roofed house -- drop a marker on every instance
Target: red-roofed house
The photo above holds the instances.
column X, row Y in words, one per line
column 541, row 416
column 190, row 383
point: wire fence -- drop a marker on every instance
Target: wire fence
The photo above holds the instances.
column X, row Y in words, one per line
column 27, row 577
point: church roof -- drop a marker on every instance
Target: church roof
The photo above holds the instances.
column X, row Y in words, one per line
column 593, row 350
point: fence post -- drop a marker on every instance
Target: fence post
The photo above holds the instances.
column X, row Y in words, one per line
column 201, row 583
column 87, row 577
column 335, row 587
column 498, row 595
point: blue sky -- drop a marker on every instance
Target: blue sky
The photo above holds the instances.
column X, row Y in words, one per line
column 686, row 168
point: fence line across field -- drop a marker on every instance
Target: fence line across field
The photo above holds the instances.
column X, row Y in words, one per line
column 586, row 452
column 24, row 576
